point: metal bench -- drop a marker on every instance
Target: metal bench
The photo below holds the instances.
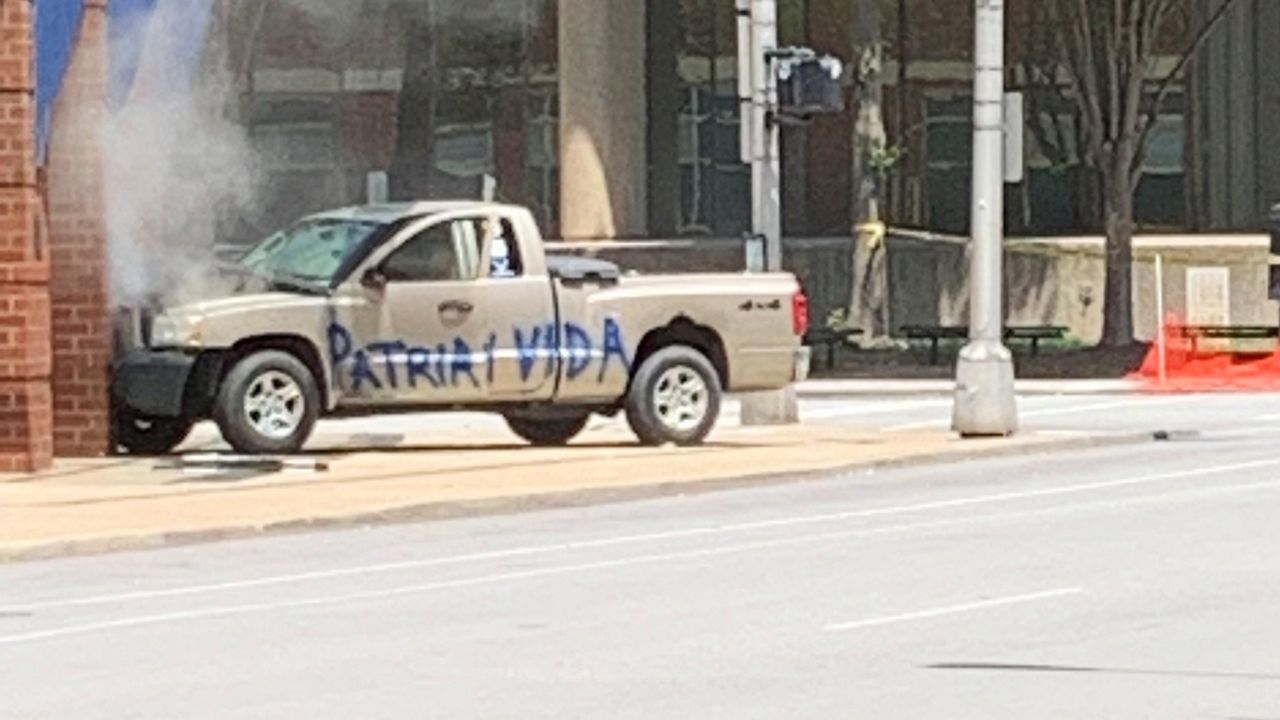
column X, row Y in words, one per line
column 1035, row 334
column 831, row 340
column 1196, row 333
column 935, row 334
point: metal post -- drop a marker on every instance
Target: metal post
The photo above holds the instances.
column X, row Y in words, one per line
column 757, row 37
column 764, row 148
column 984, row 403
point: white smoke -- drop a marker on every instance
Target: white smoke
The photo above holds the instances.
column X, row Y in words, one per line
column 180, row 165
column 175, row 164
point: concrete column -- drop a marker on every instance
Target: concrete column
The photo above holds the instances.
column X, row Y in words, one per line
column 603, row 193
column 664, row 91
column 78, row 246
column 25, row 400
column 1267, row 124
column 1235, row 116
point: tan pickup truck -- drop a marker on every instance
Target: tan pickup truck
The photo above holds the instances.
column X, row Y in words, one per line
column 451, row 306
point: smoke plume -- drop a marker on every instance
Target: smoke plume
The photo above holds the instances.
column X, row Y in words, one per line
column 182, row 170
column 176, row 164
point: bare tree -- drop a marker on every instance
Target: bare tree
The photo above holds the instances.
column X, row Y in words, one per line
column 1107, row 51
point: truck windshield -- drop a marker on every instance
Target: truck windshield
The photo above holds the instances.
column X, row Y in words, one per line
column 310, row 251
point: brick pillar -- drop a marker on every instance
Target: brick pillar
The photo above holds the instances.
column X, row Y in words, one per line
column 25, row 402
column 78, row 247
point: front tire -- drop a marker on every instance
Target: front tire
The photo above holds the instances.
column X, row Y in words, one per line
column 268, row 404
column 547, row 431
column 141, row 435
column 675, row 397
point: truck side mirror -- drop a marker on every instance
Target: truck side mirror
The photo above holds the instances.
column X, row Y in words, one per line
column 373, row 279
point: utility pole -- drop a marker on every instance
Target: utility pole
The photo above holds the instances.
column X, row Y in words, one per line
column 757, row 91
column 985, row 404
column 757, row 38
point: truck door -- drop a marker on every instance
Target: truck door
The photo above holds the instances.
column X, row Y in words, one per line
column 418, row 333
column 522, row 317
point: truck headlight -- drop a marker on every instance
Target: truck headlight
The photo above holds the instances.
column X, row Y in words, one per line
column 169, row 332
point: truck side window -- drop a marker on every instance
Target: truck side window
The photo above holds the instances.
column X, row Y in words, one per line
column 504, row 251
column 448, row 251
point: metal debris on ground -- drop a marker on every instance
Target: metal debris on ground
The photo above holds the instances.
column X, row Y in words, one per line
column 223, row 463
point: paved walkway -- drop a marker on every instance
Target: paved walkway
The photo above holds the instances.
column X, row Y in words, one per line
column 420, row 466
column 859, row 387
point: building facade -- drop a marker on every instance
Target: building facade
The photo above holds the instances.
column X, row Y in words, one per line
column 618, row 118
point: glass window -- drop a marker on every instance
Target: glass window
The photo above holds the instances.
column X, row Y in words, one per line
column 310, row 250
column 694, row 153
column 442, row 252
column 504, row 251
column 1165, row 147
column 453, row 97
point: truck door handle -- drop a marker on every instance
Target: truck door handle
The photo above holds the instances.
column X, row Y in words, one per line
column 456, row 306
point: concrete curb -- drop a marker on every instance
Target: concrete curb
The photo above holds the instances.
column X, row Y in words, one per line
column 452, row 510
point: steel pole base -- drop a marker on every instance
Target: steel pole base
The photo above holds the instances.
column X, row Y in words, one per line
column 775, row 407
column 985, row 403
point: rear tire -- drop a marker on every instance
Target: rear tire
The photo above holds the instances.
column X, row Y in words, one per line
column 675, row 397
column 547, row 431
column 268, row 404
column 140, row 435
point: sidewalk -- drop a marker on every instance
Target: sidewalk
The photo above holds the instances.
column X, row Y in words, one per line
column 466, row 465
column 884, row 388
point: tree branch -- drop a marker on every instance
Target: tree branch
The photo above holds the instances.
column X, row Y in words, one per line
column 1112, row 38
column 1082, row 70
column 1166, row 85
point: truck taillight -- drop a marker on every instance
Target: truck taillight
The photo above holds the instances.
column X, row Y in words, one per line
column 800, row 313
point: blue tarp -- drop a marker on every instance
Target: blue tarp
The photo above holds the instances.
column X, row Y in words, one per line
column 58, row 25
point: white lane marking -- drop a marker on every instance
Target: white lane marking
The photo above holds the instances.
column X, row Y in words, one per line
column 1046, row 412
column 216, row 612
column 144, row 620
column 954, row 610
column 1241, row 432
column 645, row 538
column 1268, row 418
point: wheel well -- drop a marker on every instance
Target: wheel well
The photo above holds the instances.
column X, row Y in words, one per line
column 683, row 331
column 299, row 347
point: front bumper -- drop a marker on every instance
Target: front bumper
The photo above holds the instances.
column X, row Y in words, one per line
column 153, row 383
column 803, row 358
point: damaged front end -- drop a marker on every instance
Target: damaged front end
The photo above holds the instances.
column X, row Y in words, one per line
column 158, row 391
column 131, row 327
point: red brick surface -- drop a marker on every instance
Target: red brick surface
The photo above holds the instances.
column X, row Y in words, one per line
column 25, row 403
column 16, row 42
column 78, row 250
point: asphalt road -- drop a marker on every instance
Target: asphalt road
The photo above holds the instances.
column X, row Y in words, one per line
column 1138, row 581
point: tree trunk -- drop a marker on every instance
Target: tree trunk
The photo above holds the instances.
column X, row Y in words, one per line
column 1117, row 328
column 868, row 131
column 869, row 304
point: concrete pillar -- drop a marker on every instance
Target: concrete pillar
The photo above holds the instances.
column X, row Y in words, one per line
column 603, row 193
column 80, row 279
column 1237, row 96
column 25, row 400
column 665, row 98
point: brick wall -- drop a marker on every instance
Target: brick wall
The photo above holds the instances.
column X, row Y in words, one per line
column 80, row 282
column 25, row 403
